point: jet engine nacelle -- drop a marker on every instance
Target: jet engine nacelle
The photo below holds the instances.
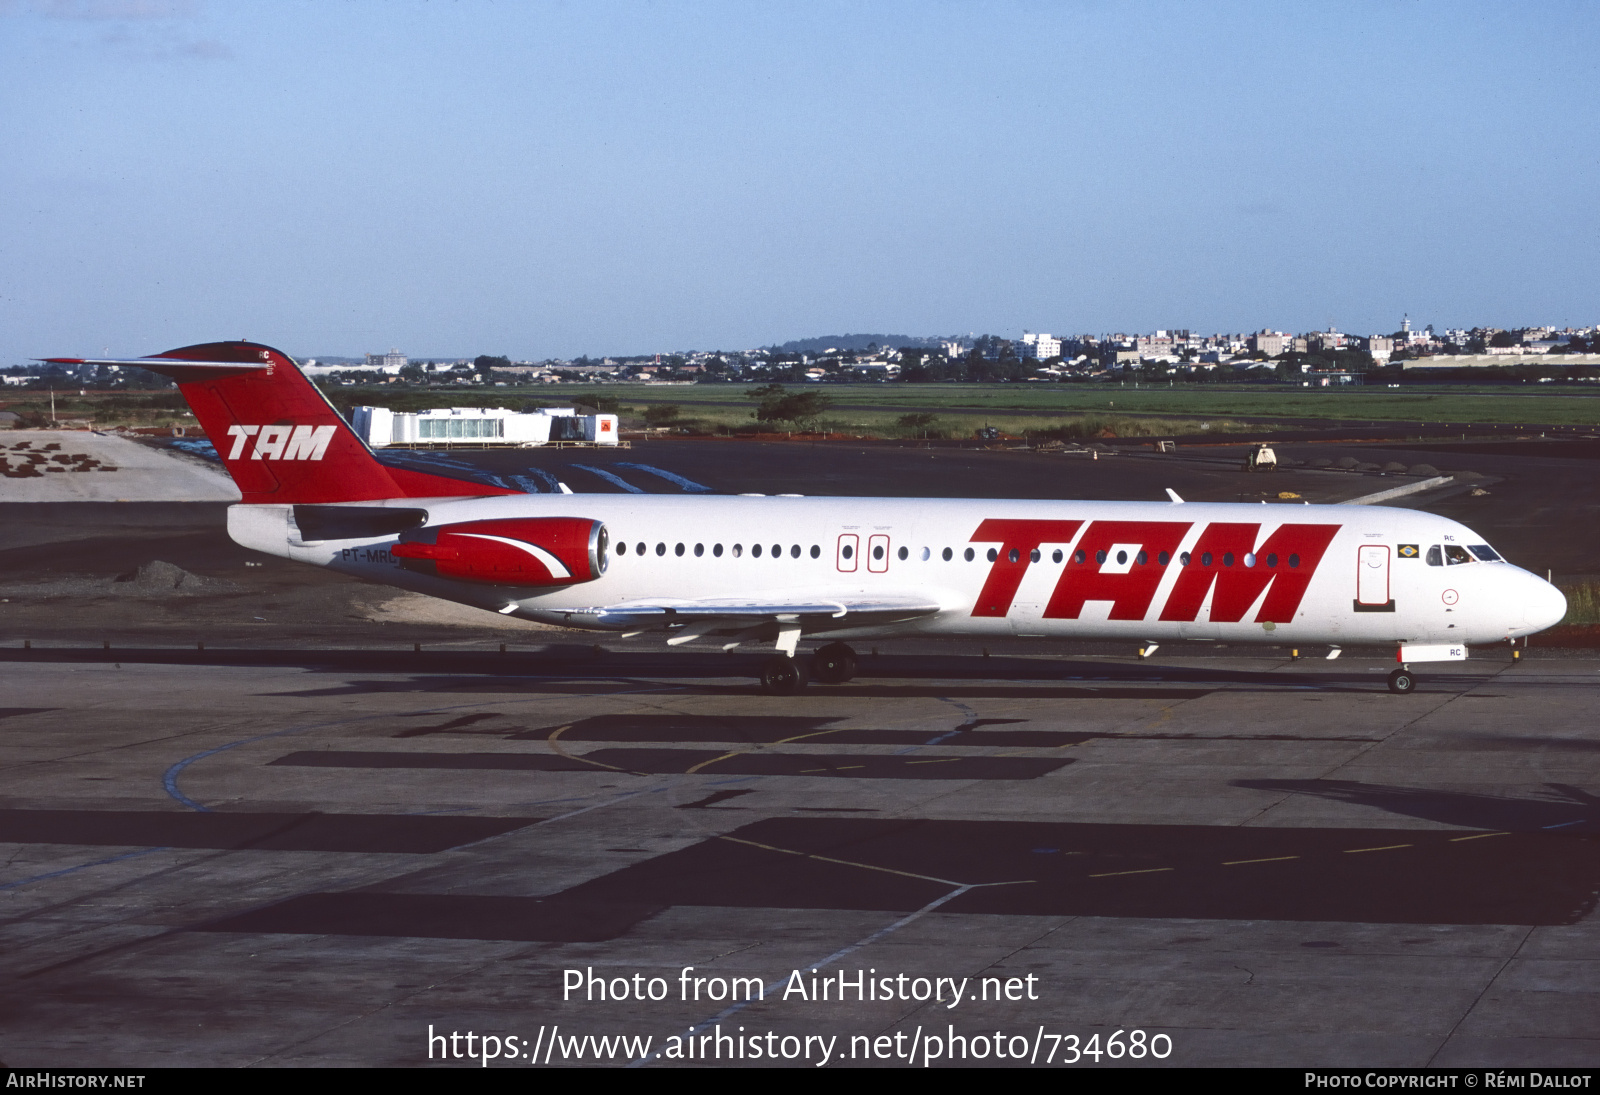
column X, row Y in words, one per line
column 520, row 551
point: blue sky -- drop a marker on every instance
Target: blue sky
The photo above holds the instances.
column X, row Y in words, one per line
column 557, row 179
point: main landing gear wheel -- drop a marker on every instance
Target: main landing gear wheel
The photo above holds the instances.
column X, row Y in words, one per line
column 783, row 676
column 834, row 664
column 1402, row 681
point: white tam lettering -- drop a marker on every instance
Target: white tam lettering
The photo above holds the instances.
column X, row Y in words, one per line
column 269, row 445
column 239, row 435
column 308, row 442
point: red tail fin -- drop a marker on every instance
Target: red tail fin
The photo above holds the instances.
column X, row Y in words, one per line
column 277, row 435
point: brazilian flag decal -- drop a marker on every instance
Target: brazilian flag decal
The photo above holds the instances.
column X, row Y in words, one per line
column 1408, row 551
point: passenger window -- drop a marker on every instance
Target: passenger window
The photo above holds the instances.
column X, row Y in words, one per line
column 1227, row 558
column 755, row 551
column 926, row 554
column 1142, row 558
column 1294, row 562
column 993, row 555
column 622, row 549
column 947, row 554
column 716, row 549
column 1272, row 561
column 1250, row 560
column 1078, row 557
column 816, row 552
column 1205, row 558
column 738, row 550
column 678, row 551
column 1122, row 558
column 968, row 555
column 1015, row 555
column 904, row 554
column 1183, row 559
column 877, row 551
column 1100, row 557
column 794, row 552
column 777, row 550
column 699, row 550
column 661, row 549
column 1055, row 556
column 1455, row 554
column 1164, row 558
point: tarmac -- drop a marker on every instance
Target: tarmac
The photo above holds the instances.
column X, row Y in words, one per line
column 328, row 828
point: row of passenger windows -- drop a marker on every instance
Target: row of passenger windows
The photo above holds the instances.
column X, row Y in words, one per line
column 1142, row 558
column 736, row 551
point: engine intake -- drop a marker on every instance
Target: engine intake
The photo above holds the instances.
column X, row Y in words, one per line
column 516, row 551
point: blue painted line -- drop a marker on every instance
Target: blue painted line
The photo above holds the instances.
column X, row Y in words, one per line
column 972, row 717
column 687, row 484
column 83, row 867
column 542, row 482
column 608, row 477
column 1564, row 824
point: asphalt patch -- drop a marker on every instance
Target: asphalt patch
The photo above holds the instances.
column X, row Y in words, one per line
column 1146, row 871
column 258, row 832
column 441, row 916
column 699, row 761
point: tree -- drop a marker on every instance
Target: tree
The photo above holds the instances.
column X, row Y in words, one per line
column 919, row 422
column 486, row 365
column 777, row 404
column 661, row 414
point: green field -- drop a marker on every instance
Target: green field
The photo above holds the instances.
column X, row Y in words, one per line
column 881, row 404
column 1072, row 410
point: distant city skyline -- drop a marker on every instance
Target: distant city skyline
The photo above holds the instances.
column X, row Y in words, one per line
column 548, row 180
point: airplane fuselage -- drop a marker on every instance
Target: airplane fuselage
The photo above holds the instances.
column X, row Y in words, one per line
column 1066, row 569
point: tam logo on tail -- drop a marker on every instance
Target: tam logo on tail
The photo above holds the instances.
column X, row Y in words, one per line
column 226, row 382
column 281, row 442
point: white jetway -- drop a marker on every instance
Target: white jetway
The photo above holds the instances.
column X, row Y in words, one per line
column 479, row 427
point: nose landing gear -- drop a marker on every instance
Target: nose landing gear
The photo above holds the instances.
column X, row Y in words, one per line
column 1402, row 680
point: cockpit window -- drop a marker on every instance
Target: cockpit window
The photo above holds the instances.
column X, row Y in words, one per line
column 1484, row 552
column 1455, row 553
column 1435, row 556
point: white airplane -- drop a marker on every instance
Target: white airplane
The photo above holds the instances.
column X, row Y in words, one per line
column 781, row 569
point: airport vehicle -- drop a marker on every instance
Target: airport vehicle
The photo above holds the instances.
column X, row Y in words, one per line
column 756, row 569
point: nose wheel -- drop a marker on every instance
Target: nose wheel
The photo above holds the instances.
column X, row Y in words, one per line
column 1402, row 681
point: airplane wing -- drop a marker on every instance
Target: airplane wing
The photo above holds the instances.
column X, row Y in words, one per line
column 691, row 619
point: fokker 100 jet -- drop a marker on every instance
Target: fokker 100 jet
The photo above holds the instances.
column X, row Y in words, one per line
column 781, row 569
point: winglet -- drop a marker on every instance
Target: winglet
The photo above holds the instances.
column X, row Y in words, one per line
column 1172, row 494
